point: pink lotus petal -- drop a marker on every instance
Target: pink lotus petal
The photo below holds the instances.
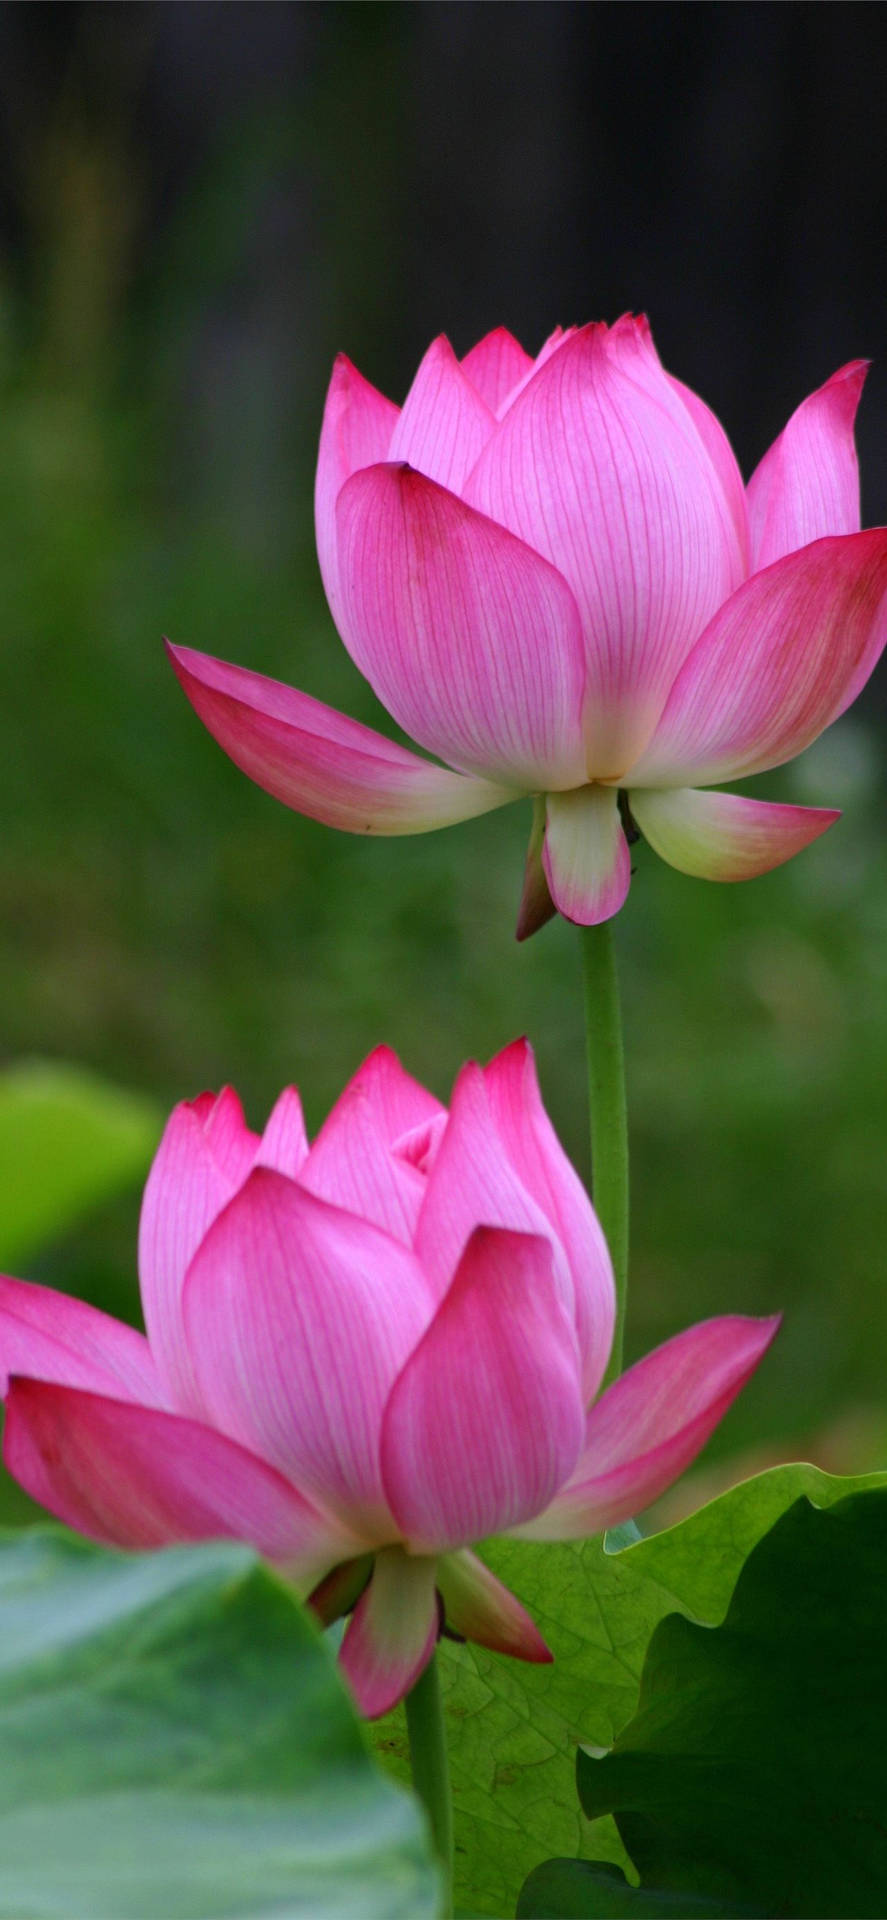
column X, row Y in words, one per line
column 299, row 1318
column 321, row 763
column 807, row 484
column 352, row 1165
column 444, row 423
column 609, row 480
column 51, row 1336
column 651, row 1423
column 358, row 423
column 396, row 1100
column 136, row 1477
column 358, row 1161
column 231, row 1143
column 420, row 1146
column 725, row 836
column 284, row 1143
column 205, row 1154
column 585, row 854
column 556, row 339
column 480, row 1608
column 392, row 1633
column 541, row 1164
column 473, row 1182
column 779, row 662
column 631, row 345
column 495, row 365
column 485, row 1422
column 470, row 639
column 723, row 459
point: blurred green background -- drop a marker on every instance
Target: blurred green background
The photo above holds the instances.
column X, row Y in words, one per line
column 200, row 206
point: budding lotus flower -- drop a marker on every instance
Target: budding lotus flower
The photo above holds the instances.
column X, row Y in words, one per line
column 363, row 1356
column 552, row 575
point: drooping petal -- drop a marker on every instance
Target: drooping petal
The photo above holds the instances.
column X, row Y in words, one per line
column 779, row 662
column 536, row 904
column 136, row 1477
column 392, row 1633
column 284, row 1143
column 321, row 763
column 585, row 854
column 205, row 1154
column 485, row 1421
column 299, row 1317
column 495, row 365
column 651, row 1423
column 472, row 1182
column 470, row 639
column 480, row 1608
column 358, row 423
column 51, row 1336
column 340, row 1589
column 807, row 484
column 539, row 1160
column 725, row 836
column 444, row 423
column 609, row 479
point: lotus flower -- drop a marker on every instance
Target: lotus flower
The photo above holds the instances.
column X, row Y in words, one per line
column 363, row 1356
column 552, row 575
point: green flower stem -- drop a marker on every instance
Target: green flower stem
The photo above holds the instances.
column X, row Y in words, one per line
column 609, row 1123
column 431, row 1767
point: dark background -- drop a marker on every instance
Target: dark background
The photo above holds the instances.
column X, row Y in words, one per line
column 199, row 205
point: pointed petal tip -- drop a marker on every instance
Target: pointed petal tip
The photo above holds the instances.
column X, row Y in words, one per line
column 782, row 659
column 853, row 374
column 494, row 336
column 477, row 1606
column 536, row 906
column 725, row 837
column 651, row 1424
column 520, row 1048
column 769, row 1324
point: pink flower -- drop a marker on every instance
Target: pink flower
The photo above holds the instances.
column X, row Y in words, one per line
column 552, row 575
column 363, row 1356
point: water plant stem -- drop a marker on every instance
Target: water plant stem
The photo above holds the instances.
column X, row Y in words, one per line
column 607, row 1112
column 431, row 1767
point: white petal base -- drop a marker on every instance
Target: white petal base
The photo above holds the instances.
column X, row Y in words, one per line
column 585, row 855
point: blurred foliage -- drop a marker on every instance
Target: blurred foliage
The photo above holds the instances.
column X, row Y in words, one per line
column 85, row 1140
column 127, row 1787
column 172, row 927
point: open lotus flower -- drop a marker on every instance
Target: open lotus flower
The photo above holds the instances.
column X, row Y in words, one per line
column 363, row 1356
column 552, row 575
